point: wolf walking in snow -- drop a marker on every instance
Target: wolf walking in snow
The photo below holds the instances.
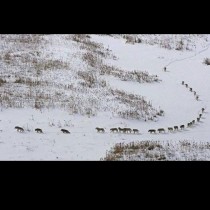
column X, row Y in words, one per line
column 152, row 131
column 128, row 129
column 135, row 130
column 19, row 129
column 38, row 130
column 176, row 127
column 65, row 131
column 100, row 129
column 182, row 127
column 170, row 129
column 122, row 129
column 161, row 129
column 189, row 124
column 113, row 130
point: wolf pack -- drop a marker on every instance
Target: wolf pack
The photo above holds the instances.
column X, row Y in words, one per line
column 191, row 90
column 38, row 130
column 119, row 130
column 130, row 130
column 135, row 130
column 160, row 130
column 182, row 127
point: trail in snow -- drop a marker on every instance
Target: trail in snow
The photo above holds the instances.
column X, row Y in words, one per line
column 199, row 52
column 196, row 54
column 171, row 83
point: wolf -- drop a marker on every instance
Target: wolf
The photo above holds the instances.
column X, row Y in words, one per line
column 152, row 131
column 182, row 126
column 38, row 130
column 100, row 129
column 128, row 129
column 170, row 129
column 114, row 129
column 176, row 127
column 189, row 124
column 135, row 130
column 161, row 129
column 65, row 131
column 122, row 129
column 19, row 129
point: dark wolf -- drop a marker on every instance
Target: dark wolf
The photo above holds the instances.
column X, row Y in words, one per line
column 38, row 130
column 170, row 129
column 100, row 129
column 152, row 131
column 65, row 131
column 176, row 127
column 135, row 130
column 114, row 129
column 182, row 127
column 128, row 130
column 122, row 129
column 161, row 129
column 19, row 129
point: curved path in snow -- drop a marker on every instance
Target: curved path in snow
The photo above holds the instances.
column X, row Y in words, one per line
column 174, row 81
column 182, row 59
column 189, row 57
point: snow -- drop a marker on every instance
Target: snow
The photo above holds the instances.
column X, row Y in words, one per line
column 84, row 143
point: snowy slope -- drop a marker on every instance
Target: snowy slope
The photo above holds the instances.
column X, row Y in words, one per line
column 84, row 143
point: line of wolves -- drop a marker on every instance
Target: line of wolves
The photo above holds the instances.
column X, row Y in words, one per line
column 124, row 130
column 182, row 126
column 38, row 130
column 191, row 90
column 177, row 127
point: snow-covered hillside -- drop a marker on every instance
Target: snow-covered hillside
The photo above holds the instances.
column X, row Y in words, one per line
column 80, row 82
column 181, row 42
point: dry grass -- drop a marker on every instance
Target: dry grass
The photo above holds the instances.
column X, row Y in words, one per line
column 2, row 81
column 135, row 106
column 135, row 76
column 206, row 61
column 168, row 41
column 32, row 76
column 157, row 151
column 50, row 65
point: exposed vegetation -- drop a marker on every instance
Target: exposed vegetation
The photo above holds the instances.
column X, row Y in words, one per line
column 168, row 41
column 157, row 151
column 32, row 76
column 207, row 61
